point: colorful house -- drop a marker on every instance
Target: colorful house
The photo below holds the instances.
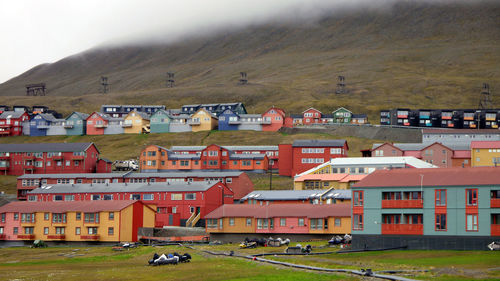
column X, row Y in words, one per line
column 178, row 203
column 303, row 155
column 12, row 123
column 202, row 120
column 313, row 116
column 273, row 119
column 76, row 124
column 359, row 119
column 40, row 123
column 119, row 111
column 485, row 153
column 96, row 123
column 342, row 116
column 238, row 182
column 213, row 157
column 57, row 127
column 215, row 108
column 447, row 208
column 136, row 122
column 160, row 122
column 232, row 223
column 442, row 155
column 78, row 221
column 228, row 121
column 37, row 158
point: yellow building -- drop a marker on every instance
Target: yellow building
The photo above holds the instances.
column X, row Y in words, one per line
column 102, row 221
column 485, row 153
column 136, row 123
column 203, row 120
column 325, row 181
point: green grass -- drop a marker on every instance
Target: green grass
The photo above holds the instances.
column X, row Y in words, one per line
column 101, row 263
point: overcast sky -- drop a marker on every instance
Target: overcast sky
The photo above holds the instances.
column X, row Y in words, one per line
column 43, row 31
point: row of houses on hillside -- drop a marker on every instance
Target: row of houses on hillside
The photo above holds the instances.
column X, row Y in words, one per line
column 442, row 118
column 444, row 155
column 138, row 119
column 288, row 159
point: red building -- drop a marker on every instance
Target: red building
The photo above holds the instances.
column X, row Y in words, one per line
column 238, row 182
column 178, row 203
column 303, row 155
column 314, row 116
column 155, row 158
column 273, row 119
column 44, row 158
column 96, row 123
column 11, row 123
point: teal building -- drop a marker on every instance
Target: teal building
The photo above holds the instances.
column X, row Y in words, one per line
column 76, row 124
column 446, row 208
column 160, row 122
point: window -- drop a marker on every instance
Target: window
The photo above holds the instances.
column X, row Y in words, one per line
column 358, row 198
column 107, row 197
column 111, row 231
column 58, row 218
column 472, row 224
column 231, row 221
column 69, row 197
column 58, row 198
column 148, row 197
column 45, row 230
column 15, row 230
column 338, row 222
column 77, row 230
column 96, row 197
column 46, row 216
column 68, row 163
column 29, row 230
column 335, row 150
column 176, row 196
column 111, row 216
column 212, row 153
column 440, row 222
column 471, row 196
column 316, row 224
column 92, row 230
column 16, row 216
column 301, row 222
column 249, row 222
column 92, row 217
column 283, row 222
column 358, row 222
column 78, row 216
column 135, row 197
column 60, row 230
column 190, row 196
column 440, row 197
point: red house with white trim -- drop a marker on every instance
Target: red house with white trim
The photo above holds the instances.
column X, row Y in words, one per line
column 11, row 123
column 303, row 155
column 273, row 119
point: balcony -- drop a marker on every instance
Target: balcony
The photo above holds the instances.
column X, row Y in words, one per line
column 5, row 132
column 404, row 229
column 127, row 125
column 234, row 122
column 68, row 126
column 3, row 168
column 30, row 157
column 495, row 230
column 57, row 237
column 29, row 167
column 495, row 203
column 402, row 204
column 26, row 236
column 100, row 125
column 78, row 157
column 42, row 126
column 57, row 157
column 266, row 121
column 192, row 122
column 89, row 237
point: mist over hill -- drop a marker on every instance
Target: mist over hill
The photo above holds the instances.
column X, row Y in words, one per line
column 411, row 54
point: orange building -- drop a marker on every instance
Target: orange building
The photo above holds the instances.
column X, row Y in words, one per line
column 98, row 221
column 233, row 222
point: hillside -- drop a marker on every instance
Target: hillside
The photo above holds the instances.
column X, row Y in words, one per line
column 412, row 55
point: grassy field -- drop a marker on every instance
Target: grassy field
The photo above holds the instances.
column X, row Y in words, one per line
column 101, row 263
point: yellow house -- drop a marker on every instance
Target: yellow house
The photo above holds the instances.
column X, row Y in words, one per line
column 485, row 153
column 101, row 221
column 136, row 123
column 325, row 181
column 203, row 120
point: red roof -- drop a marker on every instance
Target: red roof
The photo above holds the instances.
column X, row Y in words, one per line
column 350, row 178
column 281, row 210
column 484, row 144
column 461, row 154
column 432, row 177
column 66, row 206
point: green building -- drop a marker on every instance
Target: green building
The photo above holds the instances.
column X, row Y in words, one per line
column 160, row 122
column 342, row 115
column 76, row 124
column 446, row 208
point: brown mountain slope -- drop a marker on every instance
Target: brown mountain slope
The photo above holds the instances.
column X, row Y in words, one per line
column 412, row 55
